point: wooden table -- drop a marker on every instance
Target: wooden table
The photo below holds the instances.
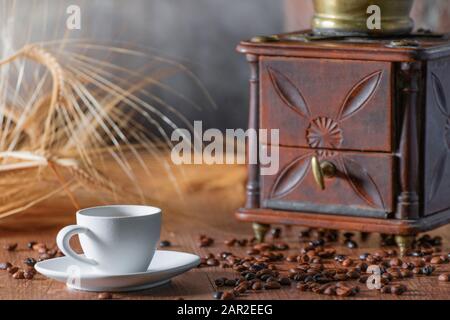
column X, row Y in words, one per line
column 210, row 196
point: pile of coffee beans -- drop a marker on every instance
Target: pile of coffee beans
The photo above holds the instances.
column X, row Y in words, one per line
column 204, row 241
column 27, row 271
column 165, row 244
column 10, row 246
column 317, row 267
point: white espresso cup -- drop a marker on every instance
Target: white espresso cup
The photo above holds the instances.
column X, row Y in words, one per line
column 115, row 239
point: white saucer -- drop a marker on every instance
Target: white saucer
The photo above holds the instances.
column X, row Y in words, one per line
column 164, row 266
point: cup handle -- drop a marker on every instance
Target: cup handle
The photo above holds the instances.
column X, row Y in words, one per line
column 63, row 238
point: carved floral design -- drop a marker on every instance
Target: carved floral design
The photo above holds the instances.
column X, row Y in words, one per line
column 323, row 133
column 326, row 135
column 441, row 102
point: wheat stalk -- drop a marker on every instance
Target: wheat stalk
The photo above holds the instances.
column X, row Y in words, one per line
column 78, row 116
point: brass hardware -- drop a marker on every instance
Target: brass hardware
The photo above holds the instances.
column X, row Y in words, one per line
column 260, row 230
column 403, row 43
column 322, row 170
column 350, row 17
column 404, row 243
column 262, row 39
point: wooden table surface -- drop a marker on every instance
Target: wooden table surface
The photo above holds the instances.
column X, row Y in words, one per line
column 209, row 196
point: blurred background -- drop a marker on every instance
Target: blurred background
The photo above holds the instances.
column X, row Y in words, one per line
column 201, row 34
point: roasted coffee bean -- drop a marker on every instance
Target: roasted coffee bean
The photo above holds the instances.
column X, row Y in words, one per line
column 363, row 256
column 271, row 285
column 230, row 242
column 298, row 277
column 395, row 273
column 302, row 287
column 363, row 279
column 205, row 241
column 304, row 258
column 165, row 244
column 250, row 276
column 241, row 288
column 330, row 291
column 349, row 235
column 259, row 266
column 275, row 233
column 228, row 295
column 387, row 276
column 340, row 277
column 285, row 281
column 10, row 246
column 28, row 274
column 444, row 277
column 230, row 282
column 419, row 263
column 395, row 262
column 398, row 289
column 362, row 266
column 105, row 296
column 326, row 253
column 436, row 241
column 225, row 254
column 12, row 269
column 30, row 262
column 340, row 258
column 304, row 234
column 212, row 262
column 258, row 285
column 381, row 254
column 417, row 270
column 281, row 246
column 44, row 256
column 317, row 243
column 408, row 265
column 5, row 265
column 347, row 262
column 252, row 252
column 52, row 252
column 39, row 246
column 353, row 275
column 262, row 246
column 436, row 260
column 18, row 275
column 344, row 292
column 31, row 244
column 416, row 254
column 242, row 242
column 406, row 273
column 427, row 270
column 351, row 244
column 385, row 289
column 220, row 282
column 217, row 295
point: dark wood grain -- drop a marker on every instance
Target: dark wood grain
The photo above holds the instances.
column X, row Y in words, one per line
column 323, row 103
column 428, row 48
column 362, row 181
column 253, row 192
column 437, row 138
column 408, row 200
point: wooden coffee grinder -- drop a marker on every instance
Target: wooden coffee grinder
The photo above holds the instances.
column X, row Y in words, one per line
column 364, row 120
